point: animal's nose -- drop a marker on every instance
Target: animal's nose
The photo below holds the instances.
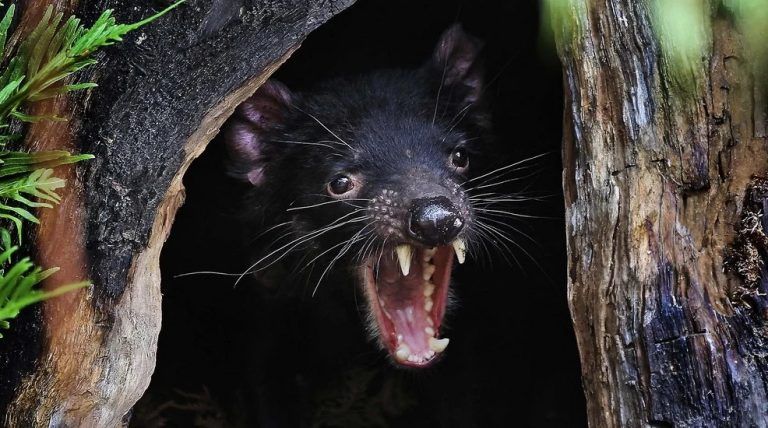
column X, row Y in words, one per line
column 434, row 221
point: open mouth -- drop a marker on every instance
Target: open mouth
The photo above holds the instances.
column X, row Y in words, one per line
column 407, row 291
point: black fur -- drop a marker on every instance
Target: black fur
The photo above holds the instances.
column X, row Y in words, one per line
column 393, row 129
column 393, row 132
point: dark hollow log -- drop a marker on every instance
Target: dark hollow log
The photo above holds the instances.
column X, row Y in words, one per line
column 163, row 94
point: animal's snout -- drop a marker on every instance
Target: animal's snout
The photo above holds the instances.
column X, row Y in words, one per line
column 434, row 221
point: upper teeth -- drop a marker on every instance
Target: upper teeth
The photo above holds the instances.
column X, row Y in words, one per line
column 429, row 253
column 460, row 248
column 404, row 257
column 427, row 271
column 404, row 254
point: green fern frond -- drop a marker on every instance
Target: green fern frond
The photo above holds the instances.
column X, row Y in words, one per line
column 52, row 52
column 16, row 286
column 5, row 24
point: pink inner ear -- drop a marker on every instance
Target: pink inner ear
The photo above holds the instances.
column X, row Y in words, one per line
column 243, row 141
column 268, row 105
column 245, row 151
column 247, row 130
column 456, row 55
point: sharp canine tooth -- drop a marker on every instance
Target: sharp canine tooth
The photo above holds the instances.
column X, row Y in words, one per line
column 403, row 352
column 438, row 345
column 404, row 257
column 460, row 248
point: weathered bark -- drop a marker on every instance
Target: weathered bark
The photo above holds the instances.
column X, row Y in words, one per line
column 655, row 181
column 162, row 96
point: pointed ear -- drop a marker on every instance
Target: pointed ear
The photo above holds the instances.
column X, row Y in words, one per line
column 457, row 61
column 248, row 129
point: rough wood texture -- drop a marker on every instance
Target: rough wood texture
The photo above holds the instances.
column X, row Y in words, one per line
column 655, row 179
column 162, row 96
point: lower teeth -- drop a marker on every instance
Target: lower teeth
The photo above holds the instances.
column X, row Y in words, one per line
column 438, row 345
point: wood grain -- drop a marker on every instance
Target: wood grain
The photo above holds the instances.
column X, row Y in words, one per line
column 655, row 177
column 163, row 94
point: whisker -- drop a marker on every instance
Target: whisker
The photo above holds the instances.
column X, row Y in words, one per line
column 341, row 253
column 463, row 113
column 304, row 240
column 501, row 235
column 285, row 223
column 334, row 142
column 362, row 254
column 514, row 229
column 483, row 185
column 308, row 236
column 509, row 199
column 519, row 196
column 305, row 143
column 512, row 165
column 205, row 272
column 492, row 232
column 326, row 203
column 514, row 215
column 336, row 246
column 325, row 127
column 503, row 251
column 439, row 90
column 381, row 253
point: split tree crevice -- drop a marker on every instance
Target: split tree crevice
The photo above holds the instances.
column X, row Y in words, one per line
column 163, row 94
column 655, row 180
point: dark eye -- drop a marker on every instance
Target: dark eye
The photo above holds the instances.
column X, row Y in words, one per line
column 340, row 185
column 460, row 158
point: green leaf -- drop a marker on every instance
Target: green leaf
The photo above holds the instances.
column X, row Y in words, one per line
column 40, row 48
column 11, row 278
column 16, row 221
column 80, row 86
column 4, row 25
column 46, row 57
column 9, row 89
column 16, row 287
column 14, row 163
column 5, row 256
column 33, row 119
column 15, row 70
column 5, row 239
column 21, row 212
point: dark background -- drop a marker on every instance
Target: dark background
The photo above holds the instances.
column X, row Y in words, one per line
column 512, row 359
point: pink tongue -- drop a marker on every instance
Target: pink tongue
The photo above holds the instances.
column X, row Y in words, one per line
column 403, row 299
column 410, row 323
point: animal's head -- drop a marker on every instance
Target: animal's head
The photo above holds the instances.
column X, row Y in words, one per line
column 369, row 174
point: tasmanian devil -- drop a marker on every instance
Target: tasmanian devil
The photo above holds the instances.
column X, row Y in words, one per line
column 370, row 179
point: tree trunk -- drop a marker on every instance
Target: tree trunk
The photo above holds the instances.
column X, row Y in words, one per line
column 663, row 211
column 163, row 94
